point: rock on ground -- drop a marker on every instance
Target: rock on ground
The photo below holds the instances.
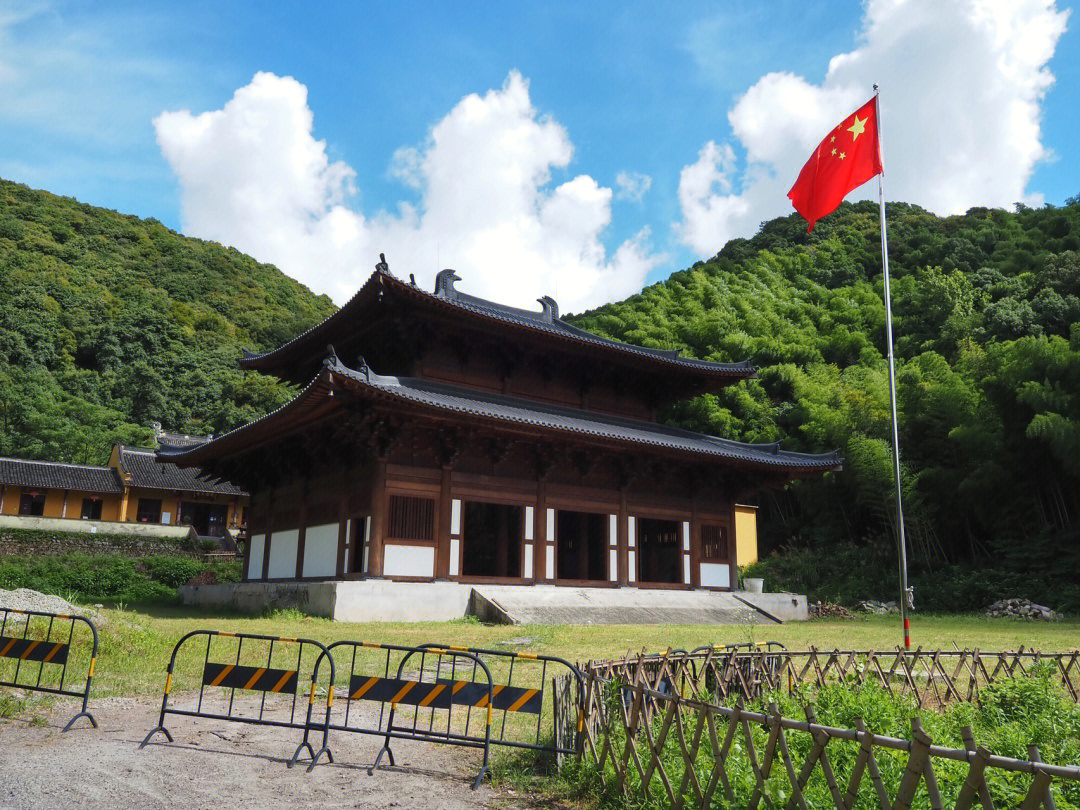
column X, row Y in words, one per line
column 1023, row 608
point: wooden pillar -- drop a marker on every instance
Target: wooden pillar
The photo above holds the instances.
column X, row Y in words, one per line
column 583, row 548
column 502, row 551
column 344, row 552
column 545, row 532
column 442, row 526
column 3, row 493
column 624, row 562
column 301, row 539
column 63, row 507
column 269, row 536
column 379, row 505
column 124, row 504
column 245, row 558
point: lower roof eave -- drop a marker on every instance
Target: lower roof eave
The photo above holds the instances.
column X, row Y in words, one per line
column 443, row 403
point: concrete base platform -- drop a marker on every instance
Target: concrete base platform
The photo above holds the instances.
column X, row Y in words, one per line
column 377, row 600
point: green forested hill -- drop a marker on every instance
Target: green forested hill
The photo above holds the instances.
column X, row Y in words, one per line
column 987, row 319
column 109, row 322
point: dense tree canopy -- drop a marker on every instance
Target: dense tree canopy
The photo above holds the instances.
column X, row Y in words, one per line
column 110, row 322
column 987, row 320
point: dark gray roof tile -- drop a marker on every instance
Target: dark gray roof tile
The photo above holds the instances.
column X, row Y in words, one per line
column 144, row 469
column 54, row 475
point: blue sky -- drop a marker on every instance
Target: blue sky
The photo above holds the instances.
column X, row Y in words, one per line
column 638, row 89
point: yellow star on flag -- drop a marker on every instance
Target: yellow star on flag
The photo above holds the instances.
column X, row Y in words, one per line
column 834, row 151
column 842, row 156
column 857, row 128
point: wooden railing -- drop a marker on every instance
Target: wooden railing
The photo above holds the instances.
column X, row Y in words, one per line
column 656, row 745
column 931, row 677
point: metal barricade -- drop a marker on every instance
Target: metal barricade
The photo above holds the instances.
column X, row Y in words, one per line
column 526, row 686
column 229, row 668
column 436, row 688
column 750, row 668
column 48, row 640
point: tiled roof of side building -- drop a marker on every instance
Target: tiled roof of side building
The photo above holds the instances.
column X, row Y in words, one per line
column 547, row 320
column 55, row 475
column 514, row 411
column 143, row 469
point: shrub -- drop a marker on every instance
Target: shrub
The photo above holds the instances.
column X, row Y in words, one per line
column 108, row 577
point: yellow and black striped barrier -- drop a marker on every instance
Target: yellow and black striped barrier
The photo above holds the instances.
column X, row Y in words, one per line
column 384, row 679
column 46, row 640
column 535, row 674
column 223, row 679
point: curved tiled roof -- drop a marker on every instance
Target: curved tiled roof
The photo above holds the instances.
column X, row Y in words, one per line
column 142, row 468
column 54, row 475
column 546, row 321
column 515, row 411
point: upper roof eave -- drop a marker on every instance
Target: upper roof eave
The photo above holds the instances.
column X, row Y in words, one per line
column 545, row 322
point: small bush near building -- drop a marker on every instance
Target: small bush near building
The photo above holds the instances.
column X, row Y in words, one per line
column 109, row 578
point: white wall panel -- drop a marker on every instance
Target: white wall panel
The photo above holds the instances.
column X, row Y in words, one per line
column 530, row 520
column 283, row 554
column 367, row 541
column 613, row 565
column 613, row 529
column 455, row 555
column 631, row 531
column 551, row 525
column 686, row 569
column 455, row 516
column 631, row 564
column 528, row 561
column 715, row 575
column 686, row 535
column 255, row 560
column 408, row 561
column 549, row 566
column 320, row 550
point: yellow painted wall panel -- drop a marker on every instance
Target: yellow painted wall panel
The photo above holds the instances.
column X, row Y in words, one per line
column 11, row 500
column 54, row 503
column 746, row 550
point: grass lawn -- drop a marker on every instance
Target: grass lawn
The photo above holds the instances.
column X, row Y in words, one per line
column 135, row 644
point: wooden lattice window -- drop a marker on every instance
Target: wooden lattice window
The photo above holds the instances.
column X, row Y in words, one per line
column 714, row 542
column 411, row 518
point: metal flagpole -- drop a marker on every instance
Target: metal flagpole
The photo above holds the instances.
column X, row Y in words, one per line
column 906, row 600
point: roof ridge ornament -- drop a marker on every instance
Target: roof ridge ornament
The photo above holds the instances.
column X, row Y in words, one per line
column 362, row 367
column 550, row 308
column 444, row 284
column 331, row 358
column 382, row 266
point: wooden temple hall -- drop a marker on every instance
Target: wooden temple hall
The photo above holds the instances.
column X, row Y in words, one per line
column 438, row 436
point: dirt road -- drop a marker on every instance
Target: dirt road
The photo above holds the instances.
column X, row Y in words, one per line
column 217, row 765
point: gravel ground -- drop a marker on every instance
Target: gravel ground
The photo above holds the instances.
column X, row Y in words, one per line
column 217, row 765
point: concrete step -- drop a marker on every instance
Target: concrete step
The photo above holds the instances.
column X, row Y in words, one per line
column 549, row 604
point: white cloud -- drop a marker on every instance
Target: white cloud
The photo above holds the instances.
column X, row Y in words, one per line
column 252, row 175
column 632, row 186
column 961, row 88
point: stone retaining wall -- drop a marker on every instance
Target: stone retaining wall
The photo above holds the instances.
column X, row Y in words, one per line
column 25, row 543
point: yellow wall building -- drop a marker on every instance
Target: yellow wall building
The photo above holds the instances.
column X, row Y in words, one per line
column 133, row 488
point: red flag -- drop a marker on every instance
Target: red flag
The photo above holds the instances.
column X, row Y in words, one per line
column 847, row 158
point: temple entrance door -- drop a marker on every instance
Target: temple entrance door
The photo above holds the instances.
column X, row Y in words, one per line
column 491, row 538
column 581, row 550
column 659, row 556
